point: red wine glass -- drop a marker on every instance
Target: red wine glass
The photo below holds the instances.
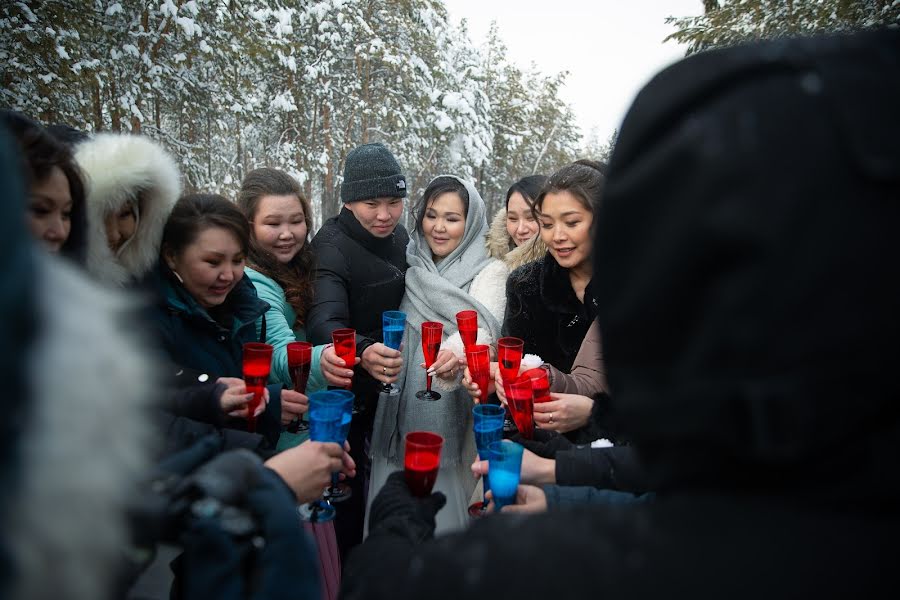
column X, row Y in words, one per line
column 299, row 358
column 421, row 461
column 431, row 343
column 257, row 362
column 345, row 346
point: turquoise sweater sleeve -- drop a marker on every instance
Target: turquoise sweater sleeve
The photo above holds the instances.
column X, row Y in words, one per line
column 279, row 318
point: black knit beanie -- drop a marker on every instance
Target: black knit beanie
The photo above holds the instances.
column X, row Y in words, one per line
column 371, row 171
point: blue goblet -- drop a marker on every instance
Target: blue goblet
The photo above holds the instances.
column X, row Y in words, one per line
column 488, row 424
column 505, row 466
column 326, row 410
column 393, row 323
column 338, row 492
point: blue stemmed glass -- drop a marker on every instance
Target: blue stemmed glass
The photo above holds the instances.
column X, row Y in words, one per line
column 505, row 466
column 338, row 492
column 488, row 425
column 393, row 323
column 326, row 410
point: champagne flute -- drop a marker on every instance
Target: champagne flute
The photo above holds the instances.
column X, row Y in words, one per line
column 520, row 400
column 478, row 359
column 393, row 323
column 488, row 423
column 421, row 461
column 505, row 469
column 326, row 412
column 299, row 358
column 340, row 491
column 257, row 362
column 467, row 325
column 509, row 357
column 540, row 384
column 431, row 343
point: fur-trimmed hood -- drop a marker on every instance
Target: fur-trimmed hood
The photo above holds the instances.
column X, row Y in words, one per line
column 117, row 168
column 501, row 246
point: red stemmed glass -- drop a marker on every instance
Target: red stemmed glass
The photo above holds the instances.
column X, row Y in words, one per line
column 520, row 399
column 540, row 384
column 478, row 359
column 467, row 325
column 345, row 346
column 431, row 343
column 509, row 359
column 299, row 358
column 421, row 461
column 257, row 362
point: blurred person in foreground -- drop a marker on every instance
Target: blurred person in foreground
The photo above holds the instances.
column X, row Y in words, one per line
column 747, row 292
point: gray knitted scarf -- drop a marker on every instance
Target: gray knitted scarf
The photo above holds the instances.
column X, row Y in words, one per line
column 436, row 292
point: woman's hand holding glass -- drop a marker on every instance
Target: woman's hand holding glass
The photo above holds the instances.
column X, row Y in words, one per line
column 446, row 365
column 336, row 372
column 564, row 412
column 529, row 499
column 293, row 404
column 235, row 398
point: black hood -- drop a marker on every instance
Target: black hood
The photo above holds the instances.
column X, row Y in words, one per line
column 747, row 267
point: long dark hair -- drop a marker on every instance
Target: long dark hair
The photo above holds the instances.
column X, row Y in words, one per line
column 438, row 186
column 529, row 187
column 195, row 213
column 296, row 277
column 583, row 179
column 42, row 152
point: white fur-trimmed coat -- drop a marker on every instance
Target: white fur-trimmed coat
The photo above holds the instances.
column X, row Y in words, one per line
column 85, row 444
column 117, row 167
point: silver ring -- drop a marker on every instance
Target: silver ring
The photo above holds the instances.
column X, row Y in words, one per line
column 551, row 417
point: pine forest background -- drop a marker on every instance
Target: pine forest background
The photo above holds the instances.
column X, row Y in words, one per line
column 231, row 85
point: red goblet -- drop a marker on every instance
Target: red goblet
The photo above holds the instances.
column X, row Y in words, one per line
column 421, row 461
column 299, row 358
column 257, row 362
column 431, row 343
column 467, row 325
column 520, row 399
column 540, row 384
column 478, row 359
column 345, row 346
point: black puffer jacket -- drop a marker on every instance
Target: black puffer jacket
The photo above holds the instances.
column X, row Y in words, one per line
column 543, row 310
column 358, row 276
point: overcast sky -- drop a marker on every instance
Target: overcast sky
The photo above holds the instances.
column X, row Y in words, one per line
column 610, row 47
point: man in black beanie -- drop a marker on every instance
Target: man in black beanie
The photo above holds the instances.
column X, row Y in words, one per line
column 746, row 255
column 360, row 273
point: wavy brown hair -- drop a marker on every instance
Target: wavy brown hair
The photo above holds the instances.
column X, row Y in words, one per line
column 295, row 277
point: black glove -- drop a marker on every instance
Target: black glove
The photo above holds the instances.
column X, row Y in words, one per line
column 545, row 443
column 396, row 508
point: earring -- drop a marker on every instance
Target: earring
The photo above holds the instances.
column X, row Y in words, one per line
column 178, row 277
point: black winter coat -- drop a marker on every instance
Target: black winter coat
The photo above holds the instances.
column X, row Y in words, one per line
column 543, row 310
column 192, row 339
column 358, row 276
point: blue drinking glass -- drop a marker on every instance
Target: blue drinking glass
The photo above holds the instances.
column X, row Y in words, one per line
column 393, row 323
column 488, row 424
column 338, row 492
column 505, row 467
column 326, row 411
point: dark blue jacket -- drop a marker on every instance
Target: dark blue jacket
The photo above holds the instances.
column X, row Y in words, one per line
column 193, row 340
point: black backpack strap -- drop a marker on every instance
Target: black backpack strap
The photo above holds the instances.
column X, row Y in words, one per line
column 262, row 330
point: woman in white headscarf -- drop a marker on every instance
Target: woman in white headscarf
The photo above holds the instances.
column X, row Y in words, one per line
column 449, row 270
